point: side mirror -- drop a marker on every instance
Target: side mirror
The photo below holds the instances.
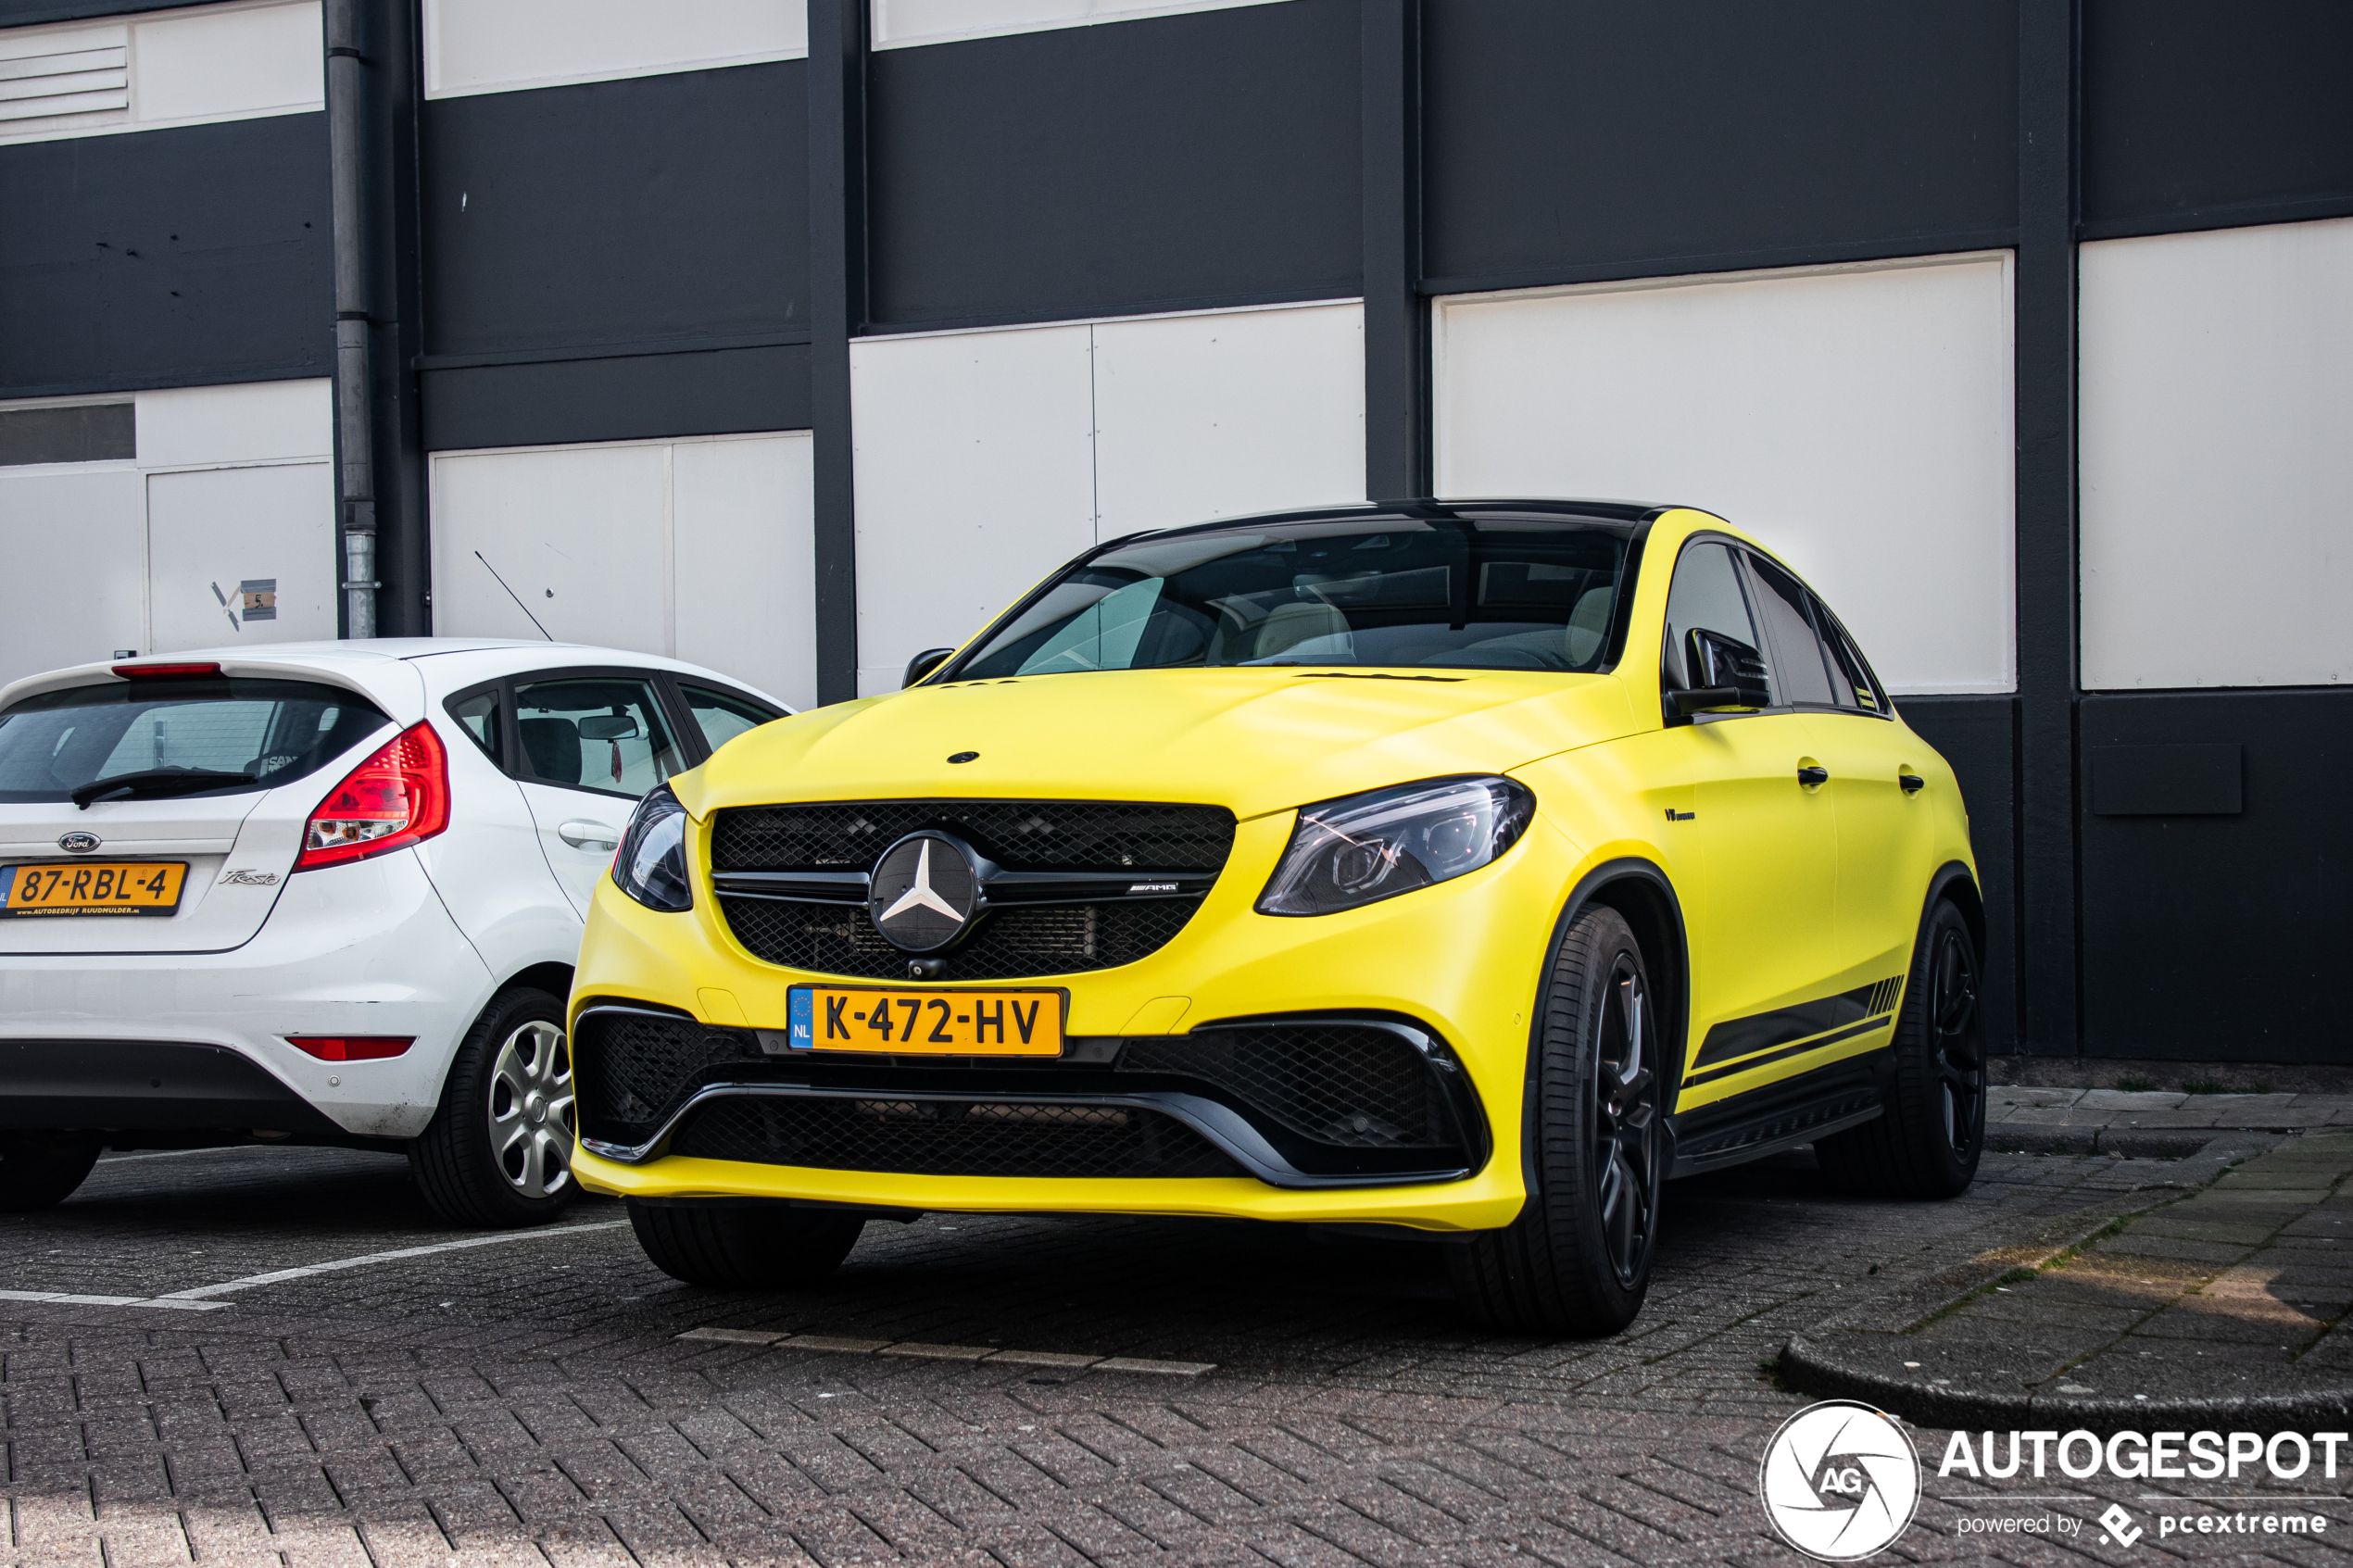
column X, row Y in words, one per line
column 925, row 663
column 1728, row 675
column 609, row 726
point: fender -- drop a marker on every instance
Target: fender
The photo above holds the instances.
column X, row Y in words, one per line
column 1626, row 868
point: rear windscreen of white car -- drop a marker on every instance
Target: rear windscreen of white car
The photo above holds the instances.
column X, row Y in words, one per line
column 149, row 740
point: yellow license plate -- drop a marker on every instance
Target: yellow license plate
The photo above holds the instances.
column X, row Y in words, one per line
column 901, row 1022
column 104, row 887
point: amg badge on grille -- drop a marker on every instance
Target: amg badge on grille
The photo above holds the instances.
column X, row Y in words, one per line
column 924, row 892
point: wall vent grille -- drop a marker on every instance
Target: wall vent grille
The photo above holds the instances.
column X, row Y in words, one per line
column 66, row 90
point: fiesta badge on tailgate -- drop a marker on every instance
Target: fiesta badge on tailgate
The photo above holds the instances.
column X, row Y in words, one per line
column 873, row 1019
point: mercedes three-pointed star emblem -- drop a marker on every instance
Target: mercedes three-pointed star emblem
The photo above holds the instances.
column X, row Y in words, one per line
column 923, row 893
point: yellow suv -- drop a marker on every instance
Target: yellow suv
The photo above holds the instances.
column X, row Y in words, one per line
column 1472, row 869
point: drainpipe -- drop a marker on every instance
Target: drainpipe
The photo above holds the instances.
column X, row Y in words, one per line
column 355, row 411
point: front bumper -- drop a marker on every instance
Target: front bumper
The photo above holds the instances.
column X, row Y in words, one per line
column 364, row 949
column 1460, row 960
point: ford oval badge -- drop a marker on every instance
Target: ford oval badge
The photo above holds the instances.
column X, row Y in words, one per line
column 78, row 842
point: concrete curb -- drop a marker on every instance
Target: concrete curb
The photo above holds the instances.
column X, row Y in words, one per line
column 1817, row 1368
column 2128, row 1143
column 1833, row 1361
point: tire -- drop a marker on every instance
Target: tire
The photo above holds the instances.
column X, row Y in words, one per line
column 41, row 1170
column 498, row 1153
column 1927, row 1142
column 742, row 1247
column 1577, row 1260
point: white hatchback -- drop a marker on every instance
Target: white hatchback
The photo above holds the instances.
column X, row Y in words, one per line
column 320, row 893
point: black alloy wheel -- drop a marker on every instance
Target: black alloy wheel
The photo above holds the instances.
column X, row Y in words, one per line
column 1576, row 1261
column 1952, row 1021
column 736, row 1246
column 1928, row 1141
column 1626, row 1123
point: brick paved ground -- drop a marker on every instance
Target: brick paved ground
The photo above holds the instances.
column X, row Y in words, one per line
column 530, row 1401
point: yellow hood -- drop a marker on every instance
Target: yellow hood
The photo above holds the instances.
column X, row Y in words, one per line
column 1252, row 740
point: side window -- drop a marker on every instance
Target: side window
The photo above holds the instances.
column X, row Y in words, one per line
column 478, row 716
column 1800, row 667
column 1857, row 687
column 722, row 716
column 595, row 732
column 1709, row 634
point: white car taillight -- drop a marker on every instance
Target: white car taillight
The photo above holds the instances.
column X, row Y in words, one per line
column 397, row 798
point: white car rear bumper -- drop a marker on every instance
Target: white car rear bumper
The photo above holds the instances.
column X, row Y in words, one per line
column 363, row 948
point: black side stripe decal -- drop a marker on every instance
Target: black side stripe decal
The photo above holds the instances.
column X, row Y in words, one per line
column 1868, row 1025
column 1763, row 1031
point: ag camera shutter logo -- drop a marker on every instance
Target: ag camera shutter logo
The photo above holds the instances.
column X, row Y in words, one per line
column 1840, row 1481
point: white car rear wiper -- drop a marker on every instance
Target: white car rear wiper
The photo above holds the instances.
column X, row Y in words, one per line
column 154, row 782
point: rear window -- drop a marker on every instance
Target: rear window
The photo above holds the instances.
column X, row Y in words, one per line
column 1459, row 593
column 172, row 738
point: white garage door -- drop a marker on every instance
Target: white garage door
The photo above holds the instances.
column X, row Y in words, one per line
column 701, row 549
column 238, row 555
column 1856, row 420
column 985, row 459
column 2218, row 457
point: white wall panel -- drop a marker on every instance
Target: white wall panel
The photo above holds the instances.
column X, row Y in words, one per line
column 701, row 549
column 975, row 472
column 493, row 45
column 227, row 64
column 211, row 531
column 1858, row 421
column 1202, row 417
column 898, row 23
column 72, row 537
column 2217, row 442
column 576, row 533
column 164, row 67
column 253, row 422
column 745, row 562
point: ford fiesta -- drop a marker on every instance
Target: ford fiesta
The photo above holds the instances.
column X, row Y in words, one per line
column 1469, row 869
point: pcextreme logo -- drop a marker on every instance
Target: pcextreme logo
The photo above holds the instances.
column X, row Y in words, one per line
column 1840, row 1480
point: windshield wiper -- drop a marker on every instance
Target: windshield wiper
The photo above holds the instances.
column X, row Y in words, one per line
column 154, row 783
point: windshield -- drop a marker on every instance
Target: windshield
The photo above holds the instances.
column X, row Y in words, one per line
column 218, row 735
column 1490, row 594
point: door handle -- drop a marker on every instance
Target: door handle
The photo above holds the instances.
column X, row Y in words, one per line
column 1810, row 776
column 1913, row 784
column 590, row 836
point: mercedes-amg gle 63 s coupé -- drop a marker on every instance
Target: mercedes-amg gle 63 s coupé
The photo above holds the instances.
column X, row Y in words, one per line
column 1470, row 869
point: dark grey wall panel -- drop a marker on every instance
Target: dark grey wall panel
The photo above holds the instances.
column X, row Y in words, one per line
column 25, row 13
column 655, row 208
column 2199, row 114
column 1173, row 162
column 2215, row 936
column 1978, row 736
column 633, row 397
column 1570, row 138
column 166, row 257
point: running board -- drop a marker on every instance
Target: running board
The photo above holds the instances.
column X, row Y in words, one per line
column 1781, row 1116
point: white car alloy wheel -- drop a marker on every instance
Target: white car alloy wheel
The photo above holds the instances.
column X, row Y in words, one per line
column 531, row 1109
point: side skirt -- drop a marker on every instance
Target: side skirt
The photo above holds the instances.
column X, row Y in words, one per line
column 1784, row 1115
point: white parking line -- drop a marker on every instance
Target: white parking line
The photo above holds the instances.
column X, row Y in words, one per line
column 72, row 1301
column 918, row 1350
column 277, row 1276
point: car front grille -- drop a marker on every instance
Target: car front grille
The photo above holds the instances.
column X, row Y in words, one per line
column 1349, row 1086
column 631, row 1071
column 934, row 1138
column 1009, row 943
column 1029, row 836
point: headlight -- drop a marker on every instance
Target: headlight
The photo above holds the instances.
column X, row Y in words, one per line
column 1372, row 846
column 651, row 866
